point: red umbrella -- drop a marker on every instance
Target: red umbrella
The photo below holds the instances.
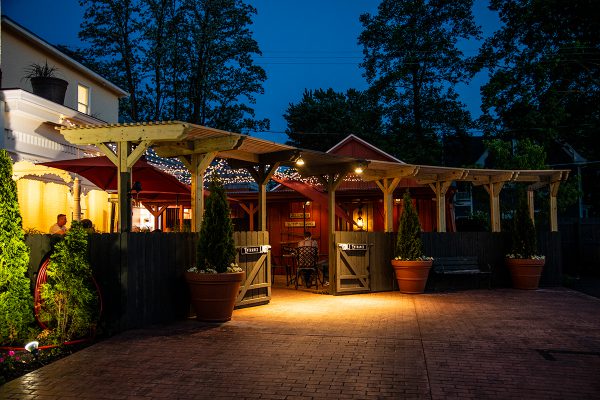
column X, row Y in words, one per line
column 103, row 173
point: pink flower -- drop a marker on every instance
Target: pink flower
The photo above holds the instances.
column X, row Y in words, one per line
column 11, row 353
column 1, row 360
column 17, row 358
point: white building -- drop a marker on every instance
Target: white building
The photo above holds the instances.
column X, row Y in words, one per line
column 28, row 124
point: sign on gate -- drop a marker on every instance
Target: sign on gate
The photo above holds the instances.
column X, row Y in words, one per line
column 255, row 249
column 353, row 246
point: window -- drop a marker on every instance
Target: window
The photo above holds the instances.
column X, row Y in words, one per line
column 83, row 99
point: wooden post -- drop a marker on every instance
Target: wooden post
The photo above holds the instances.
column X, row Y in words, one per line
column 531, row 204
column 77, row 199
column 387, row 186
column 440, row 189
column 493, row 190
column 198, row 165
column 332, row 183
column 124, row 185
column 250, row 210
column 553, row 206
column 180, row 218
column 262, row 175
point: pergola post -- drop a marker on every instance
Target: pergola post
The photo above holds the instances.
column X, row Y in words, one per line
column 440, row 189
column 554, row 206
column 197, row 166
column 387, row 186
column 76, row 199
column 250, row 210
column 262, row 174
column 332, row 182
column 493, row 190
column 123, row 186
column 531, row 204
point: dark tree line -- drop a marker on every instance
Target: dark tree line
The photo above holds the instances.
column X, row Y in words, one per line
column 544, row 76
column 178, row 59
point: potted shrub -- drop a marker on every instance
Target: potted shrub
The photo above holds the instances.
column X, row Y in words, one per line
column 215, row 281
column 524, row 263
column 44, row 82
column 410, row 265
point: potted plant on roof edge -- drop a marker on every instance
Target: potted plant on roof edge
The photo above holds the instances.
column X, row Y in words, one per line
column 44, row 82
column 215, row 281
column 410, row 265
column 524, row 264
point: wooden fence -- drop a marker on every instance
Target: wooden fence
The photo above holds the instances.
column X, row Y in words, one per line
column 581, row 246
column 490, row 248
column 141, row 274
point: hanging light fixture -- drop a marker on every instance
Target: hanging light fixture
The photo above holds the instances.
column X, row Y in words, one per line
column 359, row 168
column 359, row 221
column 299, row 160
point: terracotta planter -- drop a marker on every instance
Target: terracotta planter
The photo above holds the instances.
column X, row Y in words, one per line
column 213, row 295
column 525, row 272
column 412, row 275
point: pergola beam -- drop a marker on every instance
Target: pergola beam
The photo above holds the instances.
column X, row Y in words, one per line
column 199, row 146
column 125, row 133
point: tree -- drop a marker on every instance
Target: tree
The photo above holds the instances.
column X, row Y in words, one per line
column 411, row 60
column 69, row 298
column 188, row 60
column 223, row 79
column 409, row 245
column 333, row 116
column 545, row 75
column 216, row 247
column 113, row 29
column 16, row 301
column 523, row 235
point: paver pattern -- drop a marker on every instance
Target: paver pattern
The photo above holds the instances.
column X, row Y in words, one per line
column 478, row 344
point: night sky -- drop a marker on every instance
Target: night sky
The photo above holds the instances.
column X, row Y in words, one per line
column 306, row 44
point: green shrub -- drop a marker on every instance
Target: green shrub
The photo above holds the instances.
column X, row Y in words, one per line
column 16, row 301
column 409, row 245
column 70, row 302
column 523, row 239
column 216, row 248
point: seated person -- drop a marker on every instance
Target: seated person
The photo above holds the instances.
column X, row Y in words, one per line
column 87, row 225
column 310, row 242
column 60, row 227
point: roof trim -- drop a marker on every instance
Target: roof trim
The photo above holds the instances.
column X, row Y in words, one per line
column 59, row 54
column 364, row 142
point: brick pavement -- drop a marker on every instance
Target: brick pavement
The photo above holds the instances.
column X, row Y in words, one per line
column 494, row 344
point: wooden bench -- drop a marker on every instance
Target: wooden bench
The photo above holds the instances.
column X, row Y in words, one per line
column 461, row 265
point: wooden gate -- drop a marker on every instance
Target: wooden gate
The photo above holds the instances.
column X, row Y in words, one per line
column 352, row 262
column 254, row 257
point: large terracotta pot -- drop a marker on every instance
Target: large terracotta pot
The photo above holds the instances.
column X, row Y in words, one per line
column 412, row 275
column 525, row 272
column 213, row 295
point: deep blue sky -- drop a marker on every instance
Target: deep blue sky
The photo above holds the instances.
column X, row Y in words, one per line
column 306, row 44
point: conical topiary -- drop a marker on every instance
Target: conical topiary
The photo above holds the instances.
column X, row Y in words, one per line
column 523, row 241
column 409, row 245
column 216, row 248
column 16, row 301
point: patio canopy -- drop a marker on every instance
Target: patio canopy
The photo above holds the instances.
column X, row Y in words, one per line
column 197, row 146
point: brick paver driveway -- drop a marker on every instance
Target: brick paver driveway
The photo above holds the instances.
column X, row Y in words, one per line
column 474, row 344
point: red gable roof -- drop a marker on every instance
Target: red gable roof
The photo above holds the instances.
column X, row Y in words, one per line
column 353, row 146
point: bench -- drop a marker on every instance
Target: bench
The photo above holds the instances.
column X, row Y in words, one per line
column 461, row 265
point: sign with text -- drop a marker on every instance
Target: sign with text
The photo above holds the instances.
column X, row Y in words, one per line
column 353, row 246
column 299, row 224
column 255, row 249
column 299, row 215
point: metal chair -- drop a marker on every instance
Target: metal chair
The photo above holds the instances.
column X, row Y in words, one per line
column 307, row 258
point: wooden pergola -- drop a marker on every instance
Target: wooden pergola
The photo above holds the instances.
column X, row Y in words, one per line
column 197, row 146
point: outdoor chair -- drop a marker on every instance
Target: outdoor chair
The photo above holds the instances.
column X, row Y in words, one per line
column 307, row 258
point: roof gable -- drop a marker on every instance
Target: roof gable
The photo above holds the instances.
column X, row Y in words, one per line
column 353, row 146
